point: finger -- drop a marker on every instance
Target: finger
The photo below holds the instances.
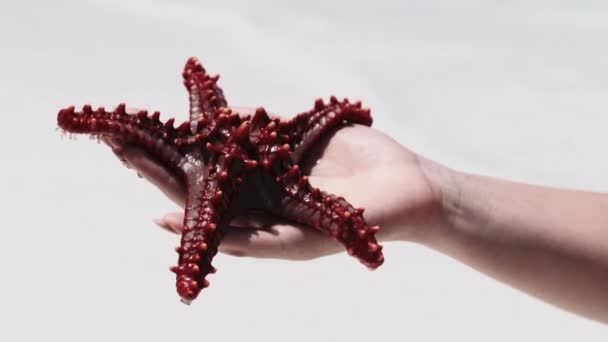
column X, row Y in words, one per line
column 240, row 229
column 278, row 241
column 261, row 236
column 163, row 225
column 136, row 158
column 239, row 241
column 251, row 242
column 117, row 148
column 156, row 174
column 171, row 222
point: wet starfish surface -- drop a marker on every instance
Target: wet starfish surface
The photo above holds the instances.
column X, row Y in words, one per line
column 232, row 164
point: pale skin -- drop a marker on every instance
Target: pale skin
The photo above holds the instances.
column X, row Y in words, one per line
column 550, row 243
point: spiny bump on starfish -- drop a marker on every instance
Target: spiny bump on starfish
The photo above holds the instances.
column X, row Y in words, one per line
column 217, row 153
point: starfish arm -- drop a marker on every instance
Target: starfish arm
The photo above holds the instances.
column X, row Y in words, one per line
column 330, row 214
column 140, row 129
column 205, row 221
column 304, row 129
column 206, row 97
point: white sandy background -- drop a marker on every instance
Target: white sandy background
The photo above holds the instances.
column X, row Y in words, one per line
column 515, row 89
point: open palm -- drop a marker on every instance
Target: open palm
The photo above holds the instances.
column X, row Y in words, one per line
column 363, row 165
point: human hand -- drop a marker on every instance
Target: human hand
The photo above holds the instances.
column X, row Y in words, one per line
column 359, row 163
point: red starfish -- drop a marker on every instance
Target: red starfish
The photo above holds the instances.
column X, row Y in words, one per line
column 221, row 156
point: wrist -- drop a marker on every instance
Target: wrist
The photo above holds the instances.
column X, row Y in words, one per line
column 444, row 184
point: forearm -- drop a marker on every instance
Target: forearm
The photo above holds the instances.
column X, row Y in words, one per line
column 550, row 243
